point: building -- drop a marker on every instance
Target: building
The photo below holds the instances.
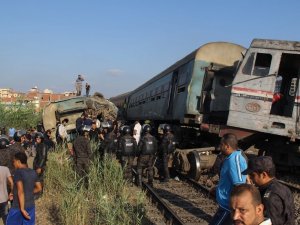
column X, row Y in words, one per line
column 34, row 96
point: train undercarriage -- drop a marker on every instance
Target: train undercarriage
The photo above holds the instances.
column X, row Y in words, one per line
column 198, row 149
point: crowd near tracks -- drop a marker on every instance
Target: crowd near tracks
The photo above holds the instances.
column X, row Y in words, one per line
column 182, row 201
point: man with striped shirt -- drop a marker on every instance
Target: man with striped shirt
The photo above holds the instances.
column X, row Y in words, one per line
column 231, row 175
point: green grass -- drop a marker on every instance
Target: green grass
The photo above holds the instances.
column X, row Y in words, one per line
column 107, row 200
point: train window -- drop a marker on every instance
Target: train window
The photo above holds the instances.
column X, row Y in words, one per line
column 158, row 97
column 152, row 99
column 248, row 66
column 262, row 64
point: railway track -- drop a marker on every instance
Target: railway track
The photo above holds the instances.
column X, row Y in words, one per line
column 182, row 201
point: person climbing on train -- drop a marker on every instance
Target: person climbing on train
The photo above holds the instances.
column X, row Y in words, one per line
column 277, row 198
column 147, row 149
column 127, row 148
column 168, row 146
column 230, row 176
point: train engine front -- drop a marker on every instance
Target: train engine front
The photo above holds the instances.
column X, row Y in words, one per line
column 265, row 99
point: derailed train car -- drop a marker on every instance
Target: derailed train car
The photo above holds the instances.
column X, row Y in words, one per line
column 222, row 88
column 72, row 108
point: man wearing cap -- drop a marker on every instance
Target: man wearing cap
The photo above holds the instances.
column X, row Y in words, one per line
column 277, row 198
column 230, row 176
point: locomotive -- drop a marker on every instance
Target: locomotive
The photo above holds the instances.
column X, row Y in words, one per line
column 223, row 87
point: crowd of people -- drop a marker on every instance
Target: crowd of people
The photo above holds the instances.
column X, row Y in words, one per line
column 247, row 193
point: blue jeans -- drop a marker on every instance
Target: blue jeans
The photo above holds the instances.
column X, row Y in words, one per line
column 222, row 217
column 15, row 217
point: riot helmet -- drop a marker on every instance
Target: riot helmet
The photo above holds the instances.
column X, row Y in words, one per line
column 18, row 134
column 167, row 128
column 84, row 129
column 126, row 130
column 107, row 125
column 146, row 128
column 39, row 135
column 3, row 141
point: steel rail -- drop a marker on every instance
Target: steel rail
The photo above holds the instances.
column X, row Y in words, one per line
column 168, row 213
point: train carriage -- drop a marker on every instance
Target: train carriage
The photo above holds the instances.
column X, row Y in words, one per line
column 186, row 92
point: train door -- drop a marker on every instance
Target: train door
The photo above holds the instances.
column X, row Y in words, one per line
column 286, row 85
column 172, row 93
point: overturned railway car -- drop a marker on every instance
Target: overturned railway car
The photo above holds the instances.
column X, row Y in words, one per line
column 223, row 87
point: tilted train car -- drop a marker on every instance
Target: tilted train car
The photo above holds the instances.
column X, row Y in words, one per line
column 190, row 91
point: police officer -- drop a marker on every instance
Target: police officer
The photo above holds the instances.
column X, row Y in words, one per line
column 40, row 159
column 109, row 144
column 277, row 198
column 167, row 147
column 82, row 153
column 128, row 147
column 5, row 159
column 147, row 149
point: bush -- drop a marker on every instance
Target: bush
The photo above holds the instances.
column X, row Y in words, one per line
column 19, row 116
column 106, row 200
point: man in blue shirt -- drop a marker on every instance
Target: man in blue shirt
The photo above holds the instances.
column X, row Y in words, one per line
column 231, row 175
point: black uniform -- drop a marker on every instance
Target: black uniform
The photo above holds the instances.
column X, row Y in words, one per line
column 147, row 149
column 109, row 144
column 128, row 148
column 50, row 144
column 40, row 159
column 167, row 147
column 279, row 203
column 82, row 155
column 94, row 134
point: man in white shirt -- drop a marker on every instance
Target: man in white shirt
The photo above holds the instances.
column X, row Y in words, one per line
column 137, row 131
column 62, row 131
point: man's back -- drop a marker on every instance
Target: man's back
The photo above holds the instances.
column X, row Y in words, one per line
column 279, row 203
column 231, row 174
column 81, row 147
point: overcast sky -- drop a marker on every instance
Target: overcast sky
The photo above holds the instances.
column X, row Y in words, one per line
column 118, row 45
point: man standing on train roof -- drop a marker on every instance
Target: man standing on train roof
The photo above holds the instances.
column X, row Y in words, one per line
column 78, row 85
column 168, row 146
column 87, row 89
column 137, row 131
column 231, row 175
column 277, row 198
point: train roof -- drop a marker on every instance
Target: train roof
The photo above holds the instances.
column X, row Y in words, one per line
column 222, row 53
column 276, row 44
column 120, row 95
